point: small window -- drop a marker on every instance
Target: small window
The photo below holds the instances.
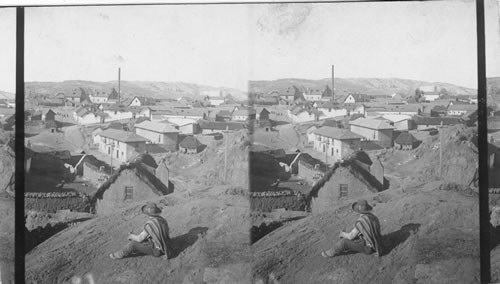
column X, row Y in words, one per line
column 129, row 193
column 343, row 191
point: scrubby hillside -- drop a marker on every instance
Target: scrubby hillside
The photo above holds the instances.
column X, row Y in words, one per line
column 429, row 235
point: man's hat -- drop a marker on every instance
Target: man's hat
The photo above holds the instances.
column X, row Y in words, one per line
column 361, row 206
column 151, row 209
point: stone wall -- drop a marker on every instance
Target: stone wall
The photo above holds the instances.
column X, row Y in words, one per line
column 269, row 200
column 52, row 201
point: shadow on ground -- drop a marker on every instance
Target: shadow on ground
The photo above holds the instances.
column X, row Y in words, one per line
column 392, row 240
column 182, row 242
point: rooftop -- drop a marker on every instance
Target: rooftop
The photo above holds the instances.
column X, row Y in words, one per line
column 122, row 136
column 155, row 126
column 371, row 123
column 337, row 133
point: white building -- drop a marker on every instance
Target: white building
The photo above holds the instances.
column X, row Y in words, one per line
column 460, row 109
column 400, row 121
column 373, row 130
column 336, row 142
column 312, row 95
column 121, row 145
column 98, row 97
column 158, row 133
column 186, row 125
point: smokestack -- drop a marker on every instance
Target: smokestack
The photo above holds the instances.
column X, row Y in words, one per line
column 119, row 92
column 333, row 82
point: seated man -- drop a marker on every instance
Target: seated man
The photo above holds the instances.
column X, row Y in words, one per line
column 365, row 237
column 153, row 240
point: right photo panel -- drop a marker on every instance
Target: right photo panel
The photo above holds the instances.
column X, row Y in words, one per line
column 364, row 156
column 492, row 45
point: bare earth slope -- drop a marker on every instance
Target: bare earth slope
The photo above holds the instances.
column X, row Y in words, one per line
column 430, row 236
column 209, row 231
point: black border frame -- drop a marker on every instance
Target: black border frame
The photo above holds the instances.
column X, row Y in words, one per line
column 484, row 224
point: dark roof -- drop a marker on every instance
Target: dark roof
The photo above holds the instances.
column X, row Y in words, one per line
column 405, row 138
column 426, row 120
column 331, row 123
column 220, row 125
column 190, row 143
column 359, row 172
column 122, row 136
column 95, row 163
column 146, row 159
column 158, row 187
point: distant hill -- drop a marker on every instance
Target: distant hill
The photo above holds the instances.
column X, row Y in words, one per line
column 172, row 90
column 370, row 86
column 7, row 95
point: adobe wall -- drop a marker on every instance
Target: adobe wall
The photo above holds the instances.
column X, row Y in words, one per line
column 268, row 200
column 52, row 201
column 114, row 196
column 328, row 195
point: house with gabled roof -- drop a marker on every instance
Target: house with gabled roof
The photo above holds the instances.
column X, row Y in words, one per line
column 142, row 101
column 191, row 145
column 405, row 141
column 133, row 181
column 98, row 96
column 373, row 130
column 121, row 145
column 303, row 113
column 347, row 179
column 336, row 142
column 312, row 95
column 353, row 98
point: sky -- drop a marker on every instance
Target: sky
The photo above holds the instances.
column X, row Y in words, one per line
column 227, row 45
column 8, row 50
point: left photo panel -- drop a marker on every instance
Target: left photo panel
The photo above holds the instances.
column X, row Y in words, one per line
column 135, row 173
column 7, row 144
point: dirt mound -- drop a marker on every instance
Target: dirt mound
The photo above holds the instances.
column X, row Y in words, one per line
column 207, row 168
column 7, row 167
column 459, row 157
column 208, row 229
column 429, row 236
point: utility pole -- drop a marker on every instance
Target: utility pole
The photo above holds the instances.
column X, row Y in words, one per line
column 225, row 153
column 441, row 150
column 119, row 91
column 333, row 83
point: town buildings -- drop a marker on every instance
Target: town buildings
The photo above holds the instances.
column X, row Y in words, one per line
column 158, row 133
column 373, row 130
column 336, row 142
column 121, row 145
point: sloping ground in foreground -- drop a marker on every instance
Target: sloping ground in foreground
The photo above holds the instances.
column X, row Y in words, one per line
column 429, row 235
column 209, row 230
